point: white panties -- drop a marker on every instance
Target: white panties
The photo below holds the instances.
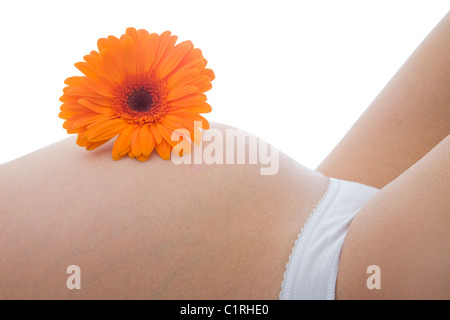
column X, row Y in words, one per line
column 312, row 269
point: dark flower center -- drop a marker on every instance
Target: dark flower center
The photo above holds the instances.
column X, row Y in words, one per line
column 140, row 100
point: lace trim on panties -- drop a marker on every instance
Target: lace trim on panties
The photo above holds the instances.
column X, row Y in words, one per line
column 317, row 209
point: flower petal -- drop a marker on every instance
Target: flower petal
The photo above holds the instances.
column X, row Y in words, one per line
column 203, row 83
column 136, row 141
column 94, row 145
column 86, row 69
column 111, row 66
column 89, row 118
column 156, row 134
column 132, row 33
column 165, row 41
column 83, row 91
column 192, row 60
column 190, row 100
column 94, row 60
column 102, row 43
column 193, row 117
column 103, row 101
column 130, row 58
column 200, row 108
column 115, row 45
column 208, row 72
column 99, row 87
column 106, row 130
column 163, row 150
column 75, row 107
column 122, row 144
column 185, row 122
column 142, row 34
column 94, row 107
column 175, row 125
column 165, row 133
column 177, row 79
column 74, row 81
column 66, row 114
column 149, row 48
column 147, row 140
column 173, row 59
column 142, row 157
column 181, row 92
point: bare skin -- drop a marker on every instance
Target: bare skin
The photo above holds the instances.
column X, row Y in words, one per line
column 150, row 230
column 155, row 230
column 408, row 118
column 405, row 230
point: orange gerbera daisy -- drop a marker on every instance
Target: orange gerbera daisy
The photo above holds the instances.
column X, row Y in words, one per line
column 139, row 87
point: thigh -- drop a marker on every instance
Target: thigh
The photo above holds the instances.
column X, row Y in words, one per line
column 409, row 117
column 405, row 231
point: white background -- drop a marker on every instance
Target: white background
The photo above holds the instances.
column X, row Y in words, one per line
column 296, row 73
